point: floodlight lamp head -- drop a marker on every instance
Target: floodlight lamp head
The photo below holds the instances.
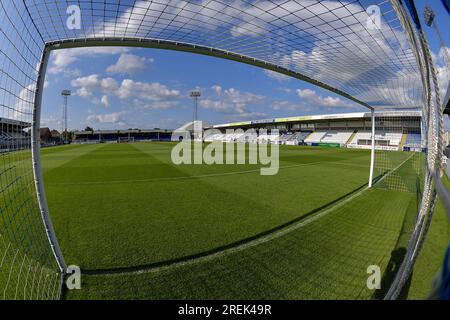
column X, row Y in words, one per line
column 196, row 94
column 429, row 16
column 66, row 93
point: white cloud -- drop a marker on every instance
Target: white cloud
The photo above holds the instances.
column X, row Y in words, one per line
column 64, row 58
column 288, row 105
column 443, row 69
column 368, row 70
column 248, row 116
column 444, row 79
column 201, row 11
column 146, row 91
column 84, row 92
column 157, row 105
column 23, row 108
column 230, row 101
column 325, row 40
column 129, row 64
column 285, row 90
column 87, row 85
column 276, row 75
column 50, row 121
column 217, row 89
column 141, row 94
column 312, row 98
column 444, row 56
column 115, row 118
column 268, row 15
column 105, row 101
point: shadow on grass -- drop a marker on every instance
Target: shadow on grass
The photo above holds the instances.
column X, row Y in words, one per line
column 395, row 262
column 398, row 254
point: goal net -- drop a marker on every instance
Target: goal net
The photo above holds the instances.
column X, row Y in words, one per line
column 28, row 267
column 331, row 44
column 125, row 140
column 399, row 158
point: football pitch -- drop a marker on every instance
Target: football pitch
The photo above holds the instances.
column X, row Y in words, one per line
column 140, row 227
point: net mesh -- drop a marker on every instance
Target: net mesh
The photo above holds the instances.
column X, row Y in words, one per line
column 27, row 266
column 399, row 160
column 334, row 42
column 325, row 42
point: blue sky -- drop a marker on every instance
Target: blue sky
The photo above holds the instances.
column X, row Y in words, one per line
column 121, row 88
column 148, row 88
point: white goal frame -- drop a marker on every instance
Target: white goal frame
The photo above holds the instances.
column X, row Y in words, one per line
column 427, row 205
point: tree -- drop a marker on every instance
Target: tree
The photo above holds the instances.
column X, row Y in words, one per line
column 89, row 129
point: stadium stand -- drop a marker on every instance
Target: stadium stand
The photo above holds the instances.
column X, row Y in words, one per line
column 14, row 141
column 234, row 137
column 413, row 142
column 352, row 139
column 329, row 137
column 294, row 138
column 286, row 138
column 13, row 135
column 383, row 140
column 4, row 135
column 337, row 137
column 114, row 136
column 344, row 130
column 301, row 136
column 3, row 141
column 268, row 138
column 315, row 137
column 214, row 137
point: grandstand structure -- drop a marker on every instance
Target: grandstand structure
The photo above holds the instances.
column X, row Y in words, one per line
column 113, row 136
column 349, row 130
column 395, row 130
column 335, row 45
column 13, row 135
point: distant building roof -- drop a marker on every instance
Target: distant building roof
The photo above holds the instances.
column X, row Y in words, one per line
column 340, row 116
column 45, row 134
column 134, row 131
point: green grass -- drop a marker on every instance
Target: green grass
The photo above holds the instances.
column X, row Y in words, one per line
column 326, row 259
column 432, row 255
column 99, row 196
column 126, row 206
column 24, row 246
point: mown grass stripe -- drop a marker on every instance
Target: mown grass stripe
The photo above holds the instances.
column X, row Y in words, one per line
column 248, row 243
column 86, row 183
